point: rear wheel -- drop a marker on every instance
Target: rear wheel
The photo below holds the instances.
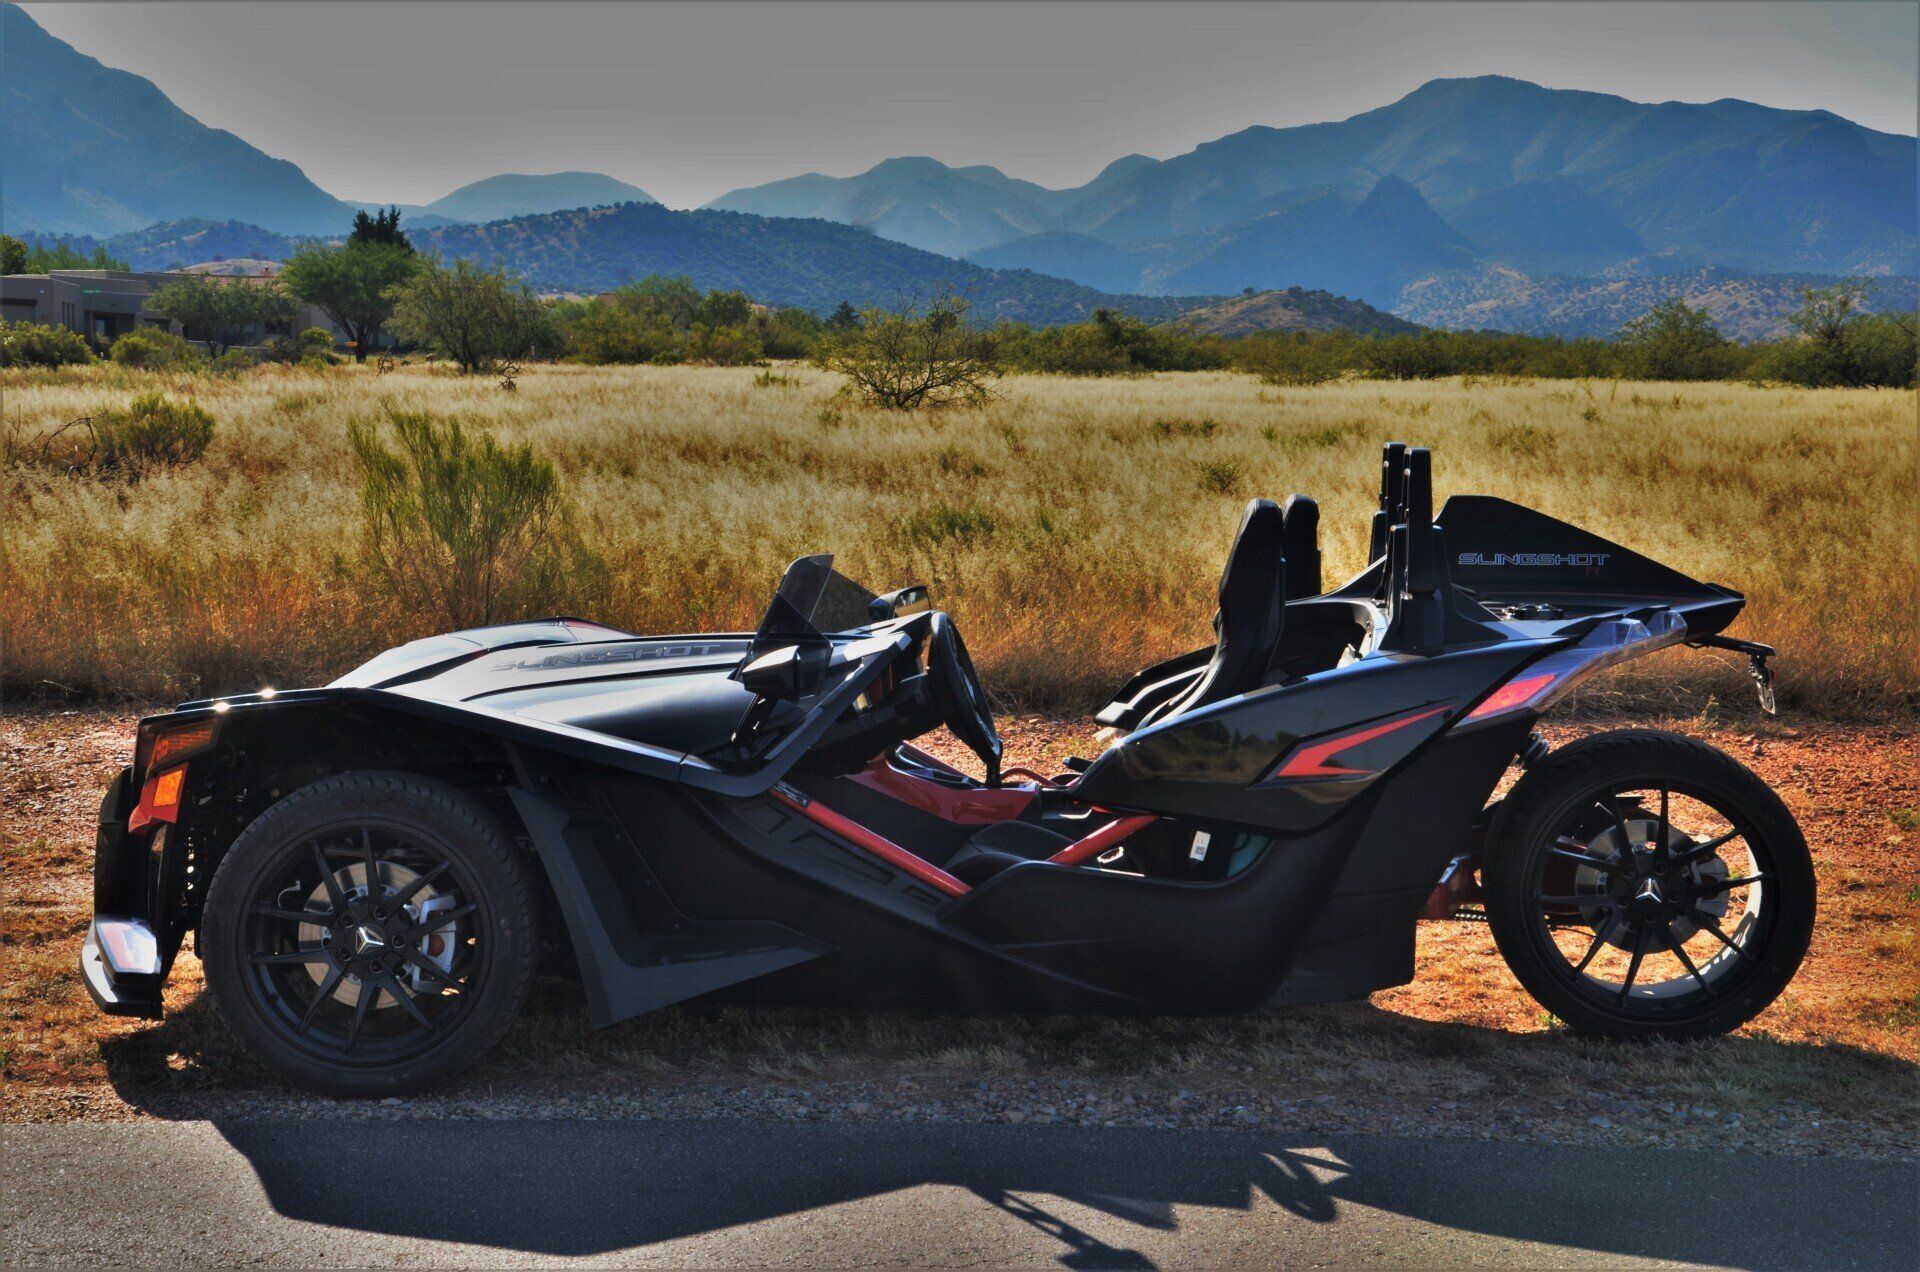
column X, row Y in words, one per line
column 1643, row 884
column 370, row 933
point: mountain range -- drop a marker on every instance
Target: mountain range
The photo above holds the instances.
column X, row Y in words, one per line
column 1488, row 171
column 814, row 264
column 1469, row 202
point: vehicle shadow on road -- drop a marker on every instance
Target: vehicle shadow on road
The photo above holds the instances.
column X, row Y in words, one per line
column 1108, row 1197
column 1092, row 1196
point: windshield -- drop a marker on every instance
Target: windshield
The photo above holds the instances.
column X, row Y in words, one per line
column 813, row 599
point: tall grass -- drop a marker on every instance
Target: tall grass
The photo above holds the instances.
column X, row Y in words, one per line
column 1075, row 527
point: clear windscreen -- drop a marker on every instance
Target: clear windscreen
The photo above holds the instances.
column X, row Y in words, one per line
column 812, row 601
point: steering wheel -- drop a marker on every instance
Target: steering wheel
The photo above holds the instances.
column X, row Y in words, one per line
column 958, row 696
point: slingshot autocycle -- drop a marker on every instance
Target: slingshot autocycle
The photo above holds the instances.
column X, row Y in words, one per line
column 376, row 869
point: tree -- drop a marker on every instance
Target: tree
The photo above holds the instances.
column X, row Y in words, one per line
column 13, row 255
column 1674, row 341
column 219, row 311
column 63, row 255
column 472, row 315
column 1840, row 344
column 845, row 318
column 382, row 228
column 905, row 359
column 352, row 285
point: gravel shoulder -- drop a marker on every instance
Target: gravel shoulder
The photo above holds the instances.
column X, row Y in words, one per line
column 1833, row 1068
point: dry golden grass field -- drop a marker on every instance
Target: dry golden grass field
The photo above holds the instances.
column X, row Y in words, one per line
column 1075, row 527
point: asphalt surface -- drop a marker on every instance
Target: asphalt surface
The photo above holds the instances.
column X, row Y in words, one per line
column 385, row 1192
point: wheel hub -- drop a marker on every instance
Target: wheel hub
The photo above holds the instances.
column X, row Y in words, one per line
column 1649, row 885
column 365, row 940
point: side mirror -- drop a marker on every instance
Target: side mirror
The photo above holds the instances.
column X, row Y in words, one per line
column 912, row 599
column 791, row 671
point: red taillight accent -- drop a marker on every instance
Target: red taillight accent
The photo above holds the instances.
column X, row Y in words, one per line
column 1312, row 761
column 1515, row 693
column 159, row 799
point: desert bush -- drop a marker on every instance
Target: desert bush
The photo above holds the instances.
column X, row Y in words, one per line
column 1675, row 341
column 234, row 361
column 155, row 349
column 906, row 359
column 1838, row 344
column 315, row 342
column 459, row 527
column 32, row 344
column 1295, row 360
column 153, row 430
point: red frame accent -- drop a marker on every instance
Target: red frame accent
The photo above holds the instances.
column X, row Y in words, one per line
column 1312, row 761
column 964, row 806
column 1091, row 846
column 879, row 845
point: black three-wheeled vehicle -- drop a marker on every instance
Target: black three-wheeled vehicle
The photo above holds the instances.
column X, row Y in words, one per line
column 376, row 869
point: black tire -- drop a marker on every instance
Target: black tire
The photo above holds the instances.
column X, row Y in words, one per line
column 492, row 945
column 1703, row 998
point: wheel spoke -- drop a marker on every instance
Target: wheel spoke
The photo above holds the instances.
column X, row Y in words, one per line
column 1704, row 847
column 376, row 891
column 1574, row 850
column 1599, row 939
column 314, row 955
column 1660, row 835
column 320, row 917
column 1611, row 807
column 335, row 898
column 1679, row 951
column 429, row 968
column 1714, row 887
column 1633, row 968
column 327, row 986
column 406, row 894
column 1712, row 926
column 434, row 922
column 368, row 992
column 392, row 985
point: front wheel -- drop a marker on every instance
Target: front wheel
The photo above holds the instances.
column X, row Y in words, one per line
column 1644, row 884
column 370, row 934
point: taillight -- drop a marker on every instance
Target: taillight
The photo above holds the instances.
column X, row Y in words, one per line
column 170, row 745
column 1551, row 677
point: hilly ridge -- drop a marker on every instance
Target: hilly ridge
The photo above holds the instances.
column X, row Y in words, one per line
column 813, row 264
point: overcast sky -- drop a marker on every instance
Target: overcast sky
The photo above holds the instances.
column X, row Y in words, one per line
column 406, row 99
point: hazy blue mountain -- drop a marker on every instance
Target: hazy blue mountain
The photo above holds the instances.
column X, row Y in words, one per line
column 90, row 150
column 520, row 194
column 1743, row 306
column 1547, row 180
column 413, row 216
column 1740, row 184
column 814, row 264
column 1080, row 257
column 913, row 200
column 1295, row 309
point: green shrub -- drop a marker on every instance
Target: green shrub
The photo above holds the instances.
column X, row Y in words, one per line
column 909, row 359
column 1295, row 361
column 316, row 342
column 461, row 529
column 234, row 361
column 32, row 344
column 155, row 349
column 151, row 430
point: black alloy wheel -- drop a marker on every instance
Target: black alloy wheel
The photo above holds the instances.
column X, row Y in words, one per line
column 1643, row 884
column 370, row 933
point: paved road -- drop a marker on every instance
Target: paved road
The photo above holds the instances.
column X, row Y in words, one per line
column 726, row 1192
